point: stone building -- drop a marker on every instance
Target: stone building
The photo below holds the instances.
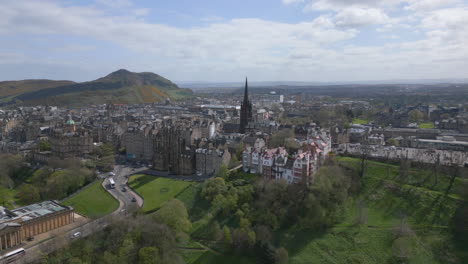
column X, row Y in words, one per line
column 138, row 143
column 209, row 160
column 172, row 149
column 22, row 223
column 71, row 144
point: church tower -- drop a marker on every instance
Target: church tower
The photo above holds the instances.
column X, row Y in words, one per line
column 246, row 110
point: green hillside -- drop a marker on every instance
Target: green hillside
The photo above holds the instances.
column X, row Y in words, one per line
column 121, row 86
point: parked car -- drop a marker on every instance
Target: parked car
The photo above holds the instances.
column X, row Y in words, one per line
column 112, row 173
column 133, row 199
column 30, row 239
column 124, row 189
column 76, row 235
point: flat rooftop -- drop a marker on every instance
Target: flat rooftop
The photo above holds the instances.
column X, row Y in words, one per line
column 31, row 211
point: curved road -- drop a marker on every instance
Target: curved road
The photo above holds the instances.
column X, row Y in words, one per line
column 125, row 203
column 125, row 198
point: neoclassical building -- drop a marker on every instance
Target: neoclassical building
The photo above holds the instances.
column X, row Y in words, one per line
column 19, row 224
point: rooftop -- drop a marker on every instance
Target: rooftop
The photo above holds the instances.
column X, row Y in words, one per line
column 31, row 211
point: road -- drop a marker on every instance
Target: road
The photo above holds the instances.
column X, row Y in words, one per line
column 125, row 204
column 124, row 198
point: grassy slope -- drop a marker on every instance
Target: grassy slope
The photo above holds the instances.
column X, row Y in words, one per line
column 93, row 201
column 155, row 191
column 426, row 210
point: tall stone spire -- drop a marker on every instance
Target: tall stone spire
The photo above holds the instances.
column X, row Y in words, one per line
column 246, row 110
column 246, row 91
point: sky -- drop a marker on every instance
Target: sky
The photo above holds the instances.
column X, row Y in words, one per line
column 224, row 41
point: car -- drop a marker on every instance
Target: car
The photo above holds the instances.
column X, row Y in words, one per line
column 112, row 173
column 124, row 189
column 76, row 235
column 30, row 239
column 133, row 199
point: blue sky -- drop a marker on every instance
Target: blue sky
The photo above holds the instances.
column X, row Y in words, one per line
column 218, row 40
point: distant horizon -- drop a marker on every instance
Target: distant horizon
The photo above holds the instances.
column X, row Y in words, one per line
column 280, row 82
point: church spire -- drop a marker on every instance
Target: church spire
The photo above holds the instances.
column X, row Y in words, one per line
column 246, row 110
column 246, row 91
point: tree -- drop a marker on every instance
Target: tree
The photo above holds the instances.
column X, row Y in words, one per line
column 174, row 214
column 392, row 142
column 216, row 231
column 148, row 255
column 9, row 165
column 265, row 252
column 126, row 250
column 415, row 115
column 223, row 172
column 213, row 187
column 234, row 161
column 280, row 137
column 28, row 194
column 44, row 145
column 227, row 238
column 281, row 256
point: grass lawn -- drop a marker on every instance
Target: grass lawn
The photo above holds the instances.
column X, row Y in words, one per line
column 93, row 201
column 155, row 191
column 426, row 125
column 360, row 121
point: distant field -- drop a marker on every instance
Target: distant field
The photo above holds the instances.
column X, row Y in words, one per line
column 93, row 201
column 155, row 191
column 360, row 121
column 426, row 125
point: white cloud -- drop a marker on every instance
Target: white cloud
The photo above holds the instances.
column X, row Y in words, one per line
column 354, row 17
column 225, row 49
column 426, row 5
column 288, row 2
column 115, row 3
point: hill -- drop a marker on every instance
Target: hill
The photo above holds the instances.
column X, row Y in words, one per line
column 121, row 86
column 12, row 88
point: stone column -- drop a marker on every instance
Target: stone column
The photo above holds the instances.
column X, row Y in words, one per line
column 1, row 243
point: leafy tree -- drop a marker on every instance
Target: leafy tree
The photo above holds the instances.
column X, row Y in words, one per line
column 392, row 142
column 265, row 252
column 174, row 214
column 44, row 145
column 234, row 161
column 415, row 115
column 9, row 165
column 213, row 187
column 126, row 250
column 223, row 172
column 281, row 256
column 28, row 194
column 148, row 255
column 216, row 231
column 227, row 238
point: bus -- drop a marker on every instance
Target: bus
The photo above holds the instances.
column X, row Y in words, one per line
column 12, row 256
column 111, row 183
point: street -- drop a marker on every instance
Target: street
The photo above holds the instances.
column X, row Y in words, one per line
column 48, row 246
